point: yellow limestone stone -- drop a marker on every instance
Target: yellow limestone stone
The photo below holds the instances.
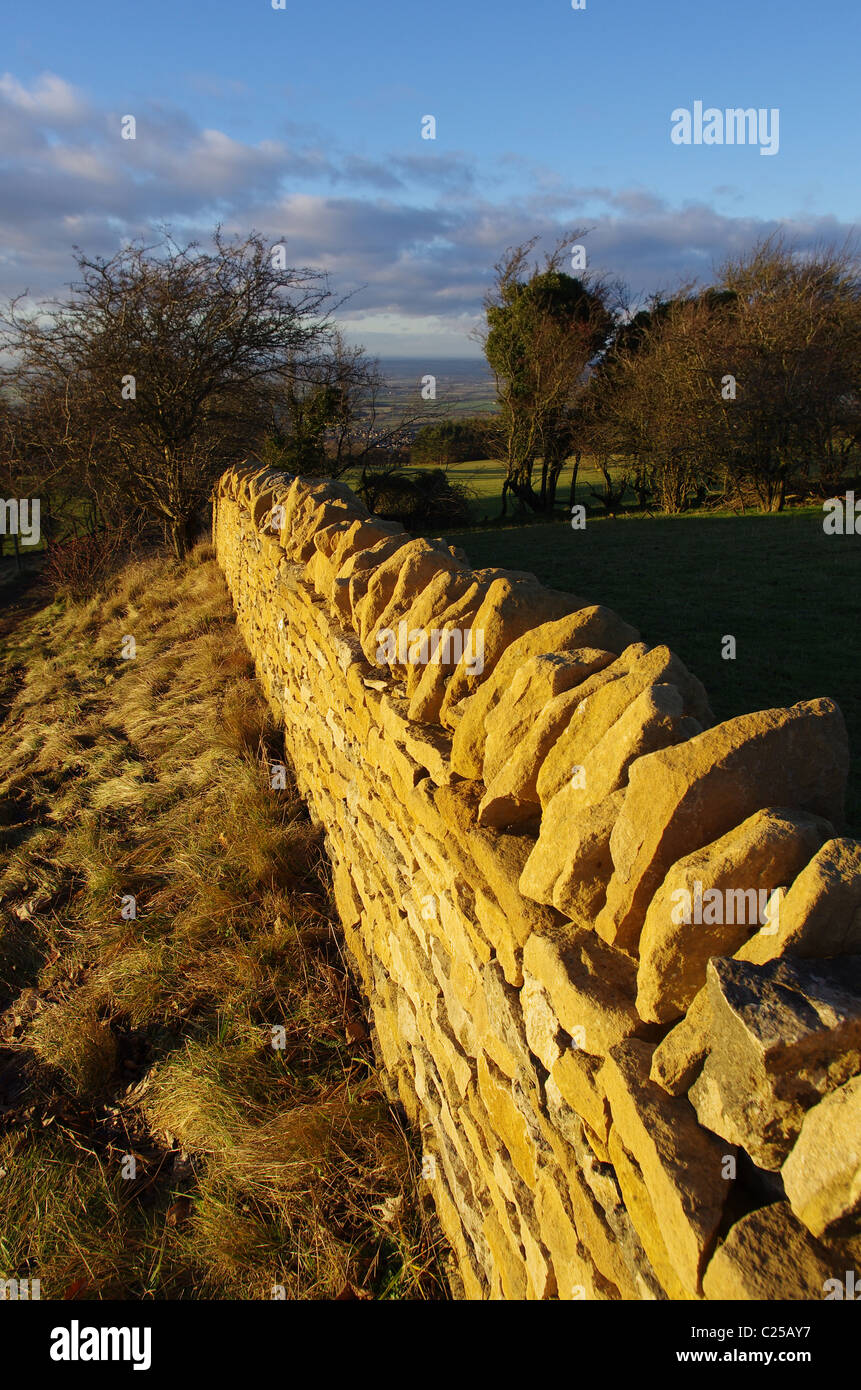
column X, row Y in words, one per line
column 682, row 1164
column 768, row 1254
column 703, row 906
column 682, row 798
column 519, row 619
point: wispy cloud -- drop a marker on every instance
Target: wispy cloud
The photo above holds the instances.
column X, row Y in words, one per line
column 413, row 238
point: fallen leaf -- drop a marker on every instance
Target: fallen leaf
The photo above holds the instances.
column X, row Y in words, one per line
column 390, row 1209
column 178, row 1211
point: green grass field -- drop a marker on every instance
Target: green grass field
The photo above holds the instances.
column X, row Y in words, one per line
column 484, row 478
column 787, row 592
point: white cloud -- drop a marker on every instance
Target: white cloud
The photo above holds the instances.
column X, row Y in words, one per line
column 50, row 98
column 415, row 267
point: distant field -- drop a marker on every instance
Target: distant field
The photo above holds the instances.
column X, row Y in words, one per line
column 787, row 592
column 464, row 386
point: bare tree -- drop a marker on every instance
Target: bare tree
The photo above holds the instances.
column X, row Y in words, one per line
column 157, row 370
column 744, row 389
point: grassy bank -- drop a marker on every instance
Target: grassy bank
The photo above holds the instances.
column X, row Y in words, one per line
column 153, row 1141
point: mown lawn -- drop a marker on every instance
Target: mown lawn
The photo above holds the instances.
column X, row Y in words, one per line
column 788, row 593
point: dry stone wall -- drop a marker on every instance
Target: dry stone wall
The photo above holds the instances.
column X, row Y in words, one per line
column 612, row 950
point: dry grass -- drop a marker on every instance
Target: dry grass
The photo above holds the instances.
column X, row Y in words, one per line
column 150, row 1037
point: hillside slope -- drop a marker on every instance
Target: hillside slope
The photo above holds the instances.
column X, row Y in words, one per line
column 189, row 1105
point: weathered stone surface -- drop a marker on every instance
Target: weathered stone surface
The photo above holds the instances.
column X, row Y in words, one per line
column 639, row 1206
column 576, row 1275
column 498, row 861
column 822, row 1175
column 512, row 796
column 427, row 685
column 570, row 865
column 537, row 680
column 684, row 797
column 820, row 915
column 655, row 719
column 678, row 1059
column 768, row 1254
column 682, row 1166
column 599, row 1210
column 330, row 539
column 559, row 623
column 572, row 870
column 445, row 588
column 575, row 1077
column 543, row 1031
column 394, row 585
column 361, row 534
column 505, row 1018
column 264, row 491
column 590, row 986
column 308, row 509
column 604, row 698
column 781, row 1036
column 354, row 575
column 338, row 542
column 714, row 885
column 495, row 1090
column 600, row 1219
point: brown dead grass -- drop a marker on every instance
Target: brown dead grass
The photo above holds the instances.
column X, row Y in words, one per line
column 150, row 1037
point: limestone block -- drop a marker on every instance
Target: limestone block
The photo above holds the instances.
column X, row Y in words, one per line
column 576, row 1275
column 604, row 698
column 594, row 1230
column 762, row 854
column 354, row 575
column 495, row 861
column 446, row 588
column 508, row 1263
column 682, row 1165
column 519, row 622
column 543, row 1031
column 822, row 1175
column 571, row 870
column 590, row 986
column 682, row 798
column 309, row 509
column 768, row 1254
column 427, row 684
column 639, row 1206
column 680, row 1055
column 361, row 534
column 577, row 885
column 512, row 796
column 495, row 1091
column 505, row 1024
column 536, row 681
column 820, row 915
column 575, row 1077
column 781, row 1036
column 394, row 585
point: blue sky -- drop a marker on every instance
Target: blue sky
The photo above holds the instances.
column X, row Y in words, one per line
column 306, row 122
